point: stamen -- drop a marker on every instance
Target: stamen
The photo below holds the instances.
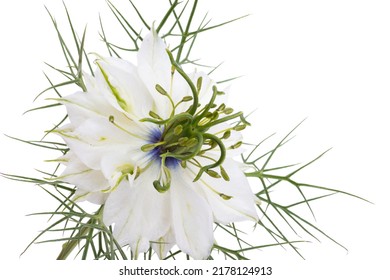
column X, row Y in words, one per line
column 237, row 145
column 199, row 84
column 111, row 119
column 215, row 115
column 164, row 181
column 149, row 147
column 185, row 134
column 213, row 173
column 154, row 115
column 187, row 98
column 182, row 141
column 222, row 120
column 191, row 143
column 221, row 107
column 163, row 92
column 227, row 134
column 221, row 157
column 224, row 174
column 204, row 121
column 228, row 111
column 225, row 197
column 194, row 90
column 178, row 130
column 239, row 127
column 208, row 106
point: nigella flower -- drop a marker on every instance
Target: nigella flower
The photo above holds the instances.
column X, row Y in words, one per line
column 156, row 147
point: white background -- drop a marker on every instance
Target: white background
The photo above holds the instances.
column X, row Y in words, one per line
column 328, row 61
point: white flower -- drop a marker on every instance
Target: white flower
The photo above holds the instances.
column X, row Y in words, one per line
column 155, row 146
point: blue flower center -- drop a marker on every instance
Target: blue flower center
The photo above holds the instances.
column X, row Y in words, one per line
column 155, row 137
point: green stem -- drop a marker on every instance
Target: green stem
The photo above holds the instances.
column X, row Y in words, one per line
column 219, row 161
column 68, row 247
column 208, row 106
column 186, row 32
column 222, row 120
column 171, row 9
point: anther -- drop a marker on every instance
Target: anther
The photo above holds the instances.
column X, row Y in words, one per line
column 213, row 173
column 224, row 174
column 221, row 107
column 215, row 116
column 191, row 142
column 204, row 121
column 209, row 115
column 239, row 127
column 161, row 90
column 225, row 197
column 235, row 146
column 199, row 84
column 187, row 98
column 182, row 141
column 226, row 135
column 228, row 111
column 178, row 129
column 154, row 115
column 149, row 147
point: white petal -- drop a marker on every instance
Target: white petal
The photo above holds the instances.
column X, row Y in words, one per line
column 83, row 177
column 192, row 218
column 124, row 89
column 164, row 244
column 139, row 212
column 241, row 205
column 98, row 197
column 206, row 89
column 115, row 166
column 89, row 183
column 154, row 67
column 82, row 105
column 180, row 89
column 98, row 137
column 90, row 82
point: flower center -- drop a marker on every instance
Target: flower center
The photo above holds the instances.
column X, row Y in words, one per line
column 157, row 152
column 184, row 136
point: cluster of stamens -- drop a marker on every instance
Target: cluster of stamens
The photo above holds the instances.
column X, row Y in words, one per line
column 185, row 136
